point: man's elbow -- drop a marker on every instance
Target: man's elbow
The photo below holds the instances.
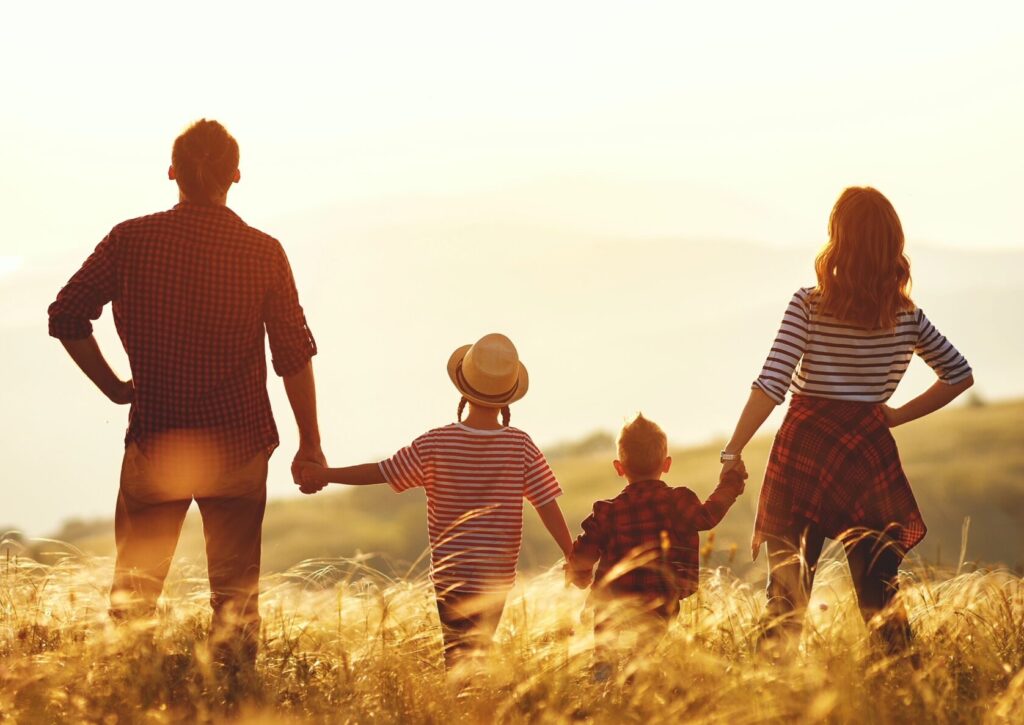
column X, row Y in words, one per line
column 291, row 369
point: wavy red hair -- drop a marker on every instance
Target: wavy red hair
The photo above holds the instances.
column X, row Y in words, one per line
column 863, row 273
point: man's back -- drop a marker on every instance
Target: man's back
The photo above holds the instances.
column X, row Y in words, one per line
column 193, row 289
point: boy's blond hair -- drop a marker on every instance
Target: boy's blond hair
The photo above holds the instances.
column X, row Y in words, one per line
column 643, row 446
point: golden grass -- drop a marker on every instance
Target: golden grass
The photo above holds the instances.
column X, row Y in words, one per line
column 342, row 643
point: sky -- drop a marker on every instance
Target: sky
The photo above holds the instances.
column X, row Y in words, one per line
column 440, row 170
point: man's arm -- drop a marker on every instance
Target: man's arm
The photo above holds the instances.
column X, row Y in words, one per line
column 301, row 389
column 87, row 355
column 80, row 301
column 292, row 348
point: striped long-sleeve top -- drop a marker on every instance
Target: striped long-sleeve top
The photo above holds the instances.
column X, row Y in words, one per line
column 818, row 355
column 475, row 482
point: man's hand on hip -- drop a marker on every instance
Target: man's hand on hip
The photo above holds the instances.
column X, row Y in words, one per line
column 123, row 393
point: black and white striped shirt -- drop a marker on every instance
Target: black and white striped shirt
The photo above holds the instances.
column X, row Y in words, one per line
column 819, row 355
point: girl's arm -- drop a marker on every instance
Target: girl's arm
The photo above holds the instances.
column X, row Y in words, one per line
column 551, row 515
column 937, row 396
column 313, row 477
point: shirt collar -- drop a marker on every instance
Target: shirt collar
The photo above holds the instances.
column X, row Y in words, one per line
column 650, row 483
column 192, row 207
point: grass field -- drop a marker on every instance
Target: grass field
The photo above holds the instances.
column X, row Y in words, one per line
column 349, row 640
column 365, row 648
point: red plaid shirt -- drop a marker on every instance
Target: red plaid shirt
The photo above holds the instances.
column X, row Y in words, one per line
column 645, row 541
column 193, row 289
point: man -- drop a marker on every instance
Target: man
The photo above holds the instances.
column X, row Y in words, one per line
column 193, row 290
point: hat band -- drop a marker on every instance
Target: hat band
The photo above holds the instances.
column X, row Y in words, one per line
column 466, row 387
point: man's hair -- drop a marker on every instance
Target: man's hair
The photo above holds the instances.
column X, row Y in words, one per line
column 643, row 446
column 205, row 159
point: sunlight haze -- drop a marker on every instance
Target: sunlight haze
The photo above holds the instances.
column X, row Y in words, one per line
column 629, row 191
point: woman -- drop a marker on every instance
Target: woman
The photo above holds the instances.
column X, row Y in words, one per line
column 834, row 470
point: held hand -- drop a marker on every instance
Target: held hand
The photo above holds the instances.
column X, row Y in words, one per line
column 123, row 393
column 308, row 454
column 736, row 466
column 311, row 477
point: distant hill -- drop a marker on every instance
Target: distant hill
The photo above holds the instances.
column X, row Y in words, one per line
column 967, row 461
column 674, row 327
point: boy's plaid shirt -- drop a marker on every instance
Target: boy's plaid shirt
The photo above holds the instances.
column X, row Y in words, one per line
column 193, row 289
column 645, row 541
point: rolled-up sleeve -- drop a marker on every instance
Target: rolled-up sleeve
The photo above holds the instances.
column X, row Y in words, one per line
column 939, row 353
column 83, row 297
column 291, row 342
column 788, row 348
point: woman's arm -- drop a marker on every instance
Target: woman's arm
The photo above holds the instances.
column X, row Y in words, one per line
column 759, row 406
column 553, row 520
column 939, row 395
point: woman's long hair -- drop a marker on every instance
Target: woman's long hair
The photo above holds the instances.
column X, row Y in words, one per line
column 863, row 274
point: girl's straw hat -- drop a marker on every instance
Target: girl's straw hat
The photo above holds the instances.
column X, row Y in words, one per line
column 489, row 373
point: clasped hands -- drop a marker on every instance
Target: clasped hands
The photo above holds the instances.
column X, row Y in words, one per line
column 309, row 469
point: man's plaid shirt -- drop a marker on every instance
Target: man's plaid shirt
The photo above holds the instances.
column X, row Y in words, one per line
column 193, row 289
column 645, row 541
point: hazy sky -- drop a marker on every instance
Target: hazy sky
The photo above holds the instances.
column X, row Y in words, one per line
column 529, row 134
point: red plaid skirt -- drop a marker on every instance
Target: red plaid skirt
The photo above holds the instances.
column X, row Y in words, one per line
column 834, row 464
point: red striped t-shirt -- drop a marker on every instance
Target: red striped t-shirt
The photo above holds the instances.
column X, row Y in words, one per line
column 475, row 481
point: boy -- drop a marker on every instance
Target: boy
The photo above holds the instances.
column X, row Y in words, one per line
column 645, row 541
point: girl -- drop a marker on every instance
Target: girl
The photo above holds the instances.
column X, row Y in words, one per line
column 476, row 474
column 834, row 470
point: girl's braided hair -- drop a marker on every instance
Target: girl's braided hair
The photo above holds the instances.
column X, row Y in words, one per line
column 506, row 412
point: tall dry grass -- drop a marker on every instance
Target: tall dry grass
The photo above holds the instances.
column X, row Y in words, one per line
column 342, row 643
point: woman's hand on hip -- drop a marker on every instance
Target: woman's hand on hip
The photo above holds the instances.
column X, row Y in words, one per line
column 892, row 416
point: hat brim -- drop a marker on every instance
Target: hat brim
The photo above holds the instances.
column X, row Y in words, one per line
column 453, row 366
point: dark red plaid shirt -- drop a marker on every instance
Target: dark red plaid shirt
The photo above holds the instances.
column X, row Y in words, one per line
column 193, row 289
column 645, row 541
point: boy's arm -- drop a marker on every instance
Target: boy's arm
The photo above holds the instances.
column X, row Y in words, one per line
column 585, row 553
column 725, row 494
column 553, row 520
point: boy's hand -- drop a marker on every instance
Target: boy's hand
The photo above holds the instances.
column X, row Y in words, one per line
column 311, row 477
column 736, row 467
column 734, row 478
